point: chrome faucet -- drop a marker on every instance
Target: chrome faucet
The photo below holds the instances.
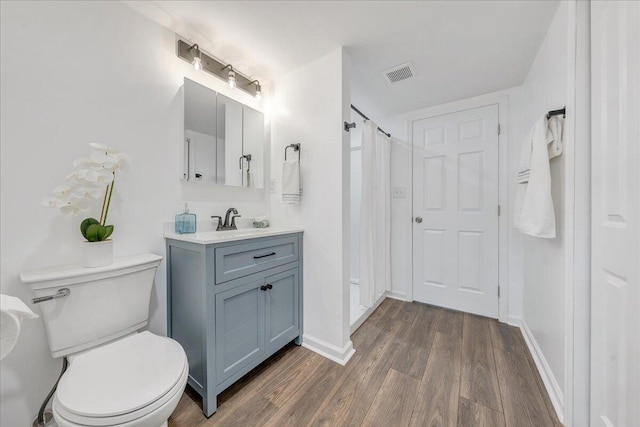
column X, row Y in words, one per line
column 228, row 224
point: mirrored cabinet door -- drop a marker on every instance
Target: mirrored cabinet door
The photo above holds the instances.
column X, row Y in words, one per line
column 253, row 146
column 200, row 134
column 223, row 139
column 229, row 141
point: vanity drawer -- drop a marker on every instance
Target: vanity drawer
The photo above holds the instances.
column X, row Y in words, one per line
column 241, row 260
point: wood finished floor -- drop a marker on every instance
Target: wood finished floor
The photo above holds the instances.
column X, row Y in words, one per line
column 415, row 365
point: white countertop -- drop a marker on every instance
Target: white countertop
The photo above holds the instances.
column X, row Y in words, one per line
column 208, row 237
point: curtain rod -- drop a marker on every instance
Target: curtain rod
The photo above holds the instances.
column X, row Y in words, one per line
column 348, row 126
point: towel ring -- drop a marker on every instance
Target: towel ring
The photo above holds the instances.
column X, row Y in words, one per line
column 296, row 147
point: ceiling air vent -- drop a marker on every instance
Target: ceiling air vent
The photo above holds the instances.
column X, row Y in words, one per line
column 400, row 72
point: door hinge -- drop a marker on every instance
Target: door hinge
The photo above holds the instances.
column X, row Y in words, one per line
column 498, row 210
column 499, row 129
column 498, row 291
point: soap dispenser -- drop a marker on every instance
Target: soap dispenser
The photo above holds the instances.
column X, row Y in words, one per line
column 185, row 222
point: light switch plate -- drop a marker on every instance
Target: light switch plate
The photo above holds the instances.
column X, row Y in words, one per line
column 399, row 192
column 272, row 185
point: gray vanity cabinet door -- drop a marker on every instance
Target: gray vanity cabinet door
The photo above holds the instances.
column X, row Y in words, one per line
column 283, row 323
column 240, row 313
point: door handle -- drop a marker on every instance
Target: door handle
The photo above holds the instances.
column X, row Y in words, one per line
column 269, row 286
column 263, row 288
column 418, row 219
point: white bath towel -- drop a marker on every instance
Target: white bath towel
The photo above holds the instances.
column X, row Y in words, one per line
column 554, row 146
column 534, row 212
column 291, row 181
column 12, row 311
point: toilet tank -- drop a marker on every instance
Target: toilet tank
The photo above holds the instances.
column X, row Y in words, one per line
column 104, row 303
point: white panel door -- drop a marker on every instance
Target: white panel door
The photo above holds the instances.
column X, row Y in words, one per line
column 455, row 201
column 615, row 265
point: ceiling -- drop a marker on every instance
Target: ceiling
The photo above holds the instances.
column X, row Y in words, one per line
column 459, row 49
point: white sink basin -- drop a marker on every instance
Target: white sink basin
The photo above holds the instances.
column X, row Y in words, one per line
column 207, row 237
column 229, row 234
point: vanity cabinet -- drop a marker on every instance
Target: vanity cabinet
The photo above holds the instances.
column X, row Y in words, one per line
column 231, row 305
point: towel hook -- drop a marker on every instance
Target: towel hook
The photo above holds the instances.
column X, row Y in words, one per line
column 562, row 111
column 296, row 147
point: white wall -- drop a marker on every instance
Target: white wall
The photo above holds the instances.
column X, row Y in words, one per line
column 310, row 105
column 550, row 85
column 74, row 73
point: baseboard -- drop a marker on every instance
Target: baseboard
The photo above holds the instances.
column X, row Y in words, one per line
column 514, row 321
column 550, row 382
column 397, row 295
column 330, row 351
column 367, row 313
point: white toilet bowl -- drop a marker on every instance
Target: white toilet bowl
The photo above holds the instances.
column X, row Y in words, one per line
column 116, row 376
column 135, row 381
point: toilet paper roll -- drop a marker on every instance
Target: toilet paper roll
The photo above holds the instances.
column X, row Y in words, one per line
column 12, row 311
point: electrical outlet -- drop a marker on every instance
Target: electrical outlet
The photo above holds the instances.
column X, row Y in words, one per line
column 399, row 192
column 272, row 185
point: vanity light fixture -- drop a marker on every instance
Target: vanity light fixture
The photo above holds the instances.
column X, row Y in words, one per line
column 258, row 94
column 197, row 60
column 191, row 53
column 231, row 79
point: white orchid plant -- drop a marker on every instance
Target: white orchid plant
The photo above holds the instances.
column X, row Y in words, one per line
column 93, row 179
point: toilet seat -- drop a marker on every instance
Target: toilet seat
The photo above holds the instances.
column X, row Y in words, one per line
column 122, row 382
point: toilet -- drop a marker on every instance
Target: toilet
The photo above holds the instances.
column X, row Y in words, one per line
column 117, row 375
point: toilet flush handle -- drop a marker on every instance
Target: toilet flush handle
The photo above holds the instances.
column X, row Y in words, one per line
column 60, row 294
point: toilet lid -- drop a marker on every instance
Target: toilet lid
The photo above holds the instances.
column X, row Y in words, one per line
column 122, row 376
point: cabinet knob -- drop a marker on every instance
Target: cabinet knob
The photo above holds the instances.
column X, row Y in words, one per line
column 263, row 288
column 269, row 286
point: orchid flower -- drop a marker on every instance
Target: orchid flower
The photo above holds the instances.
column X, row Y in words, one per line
column 92, row 179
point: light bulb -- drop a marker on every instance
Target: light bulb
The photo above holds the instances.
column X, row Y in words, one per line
column 197, row 63
column 232, row 79
column 258, row 94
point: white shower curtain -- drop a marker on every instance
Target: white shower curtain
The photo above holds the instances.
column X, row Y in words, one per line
column 375, row 215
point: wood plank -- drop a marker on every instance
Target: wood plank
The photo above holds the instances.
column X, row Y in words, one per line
column 189, row 411
column 472, row 414
column 303, row 405
column 351, row 400
column 508, row 338
column 437, row 402
column 284, row 387
column 479, row 379
column 247, row 413
column 364, row 337
column 407, row 313
column 450, row 322
column 385, row 312
column 394, row 402
column 543, row 391
column 290, row 355
column 523, row 401
column 416, row 343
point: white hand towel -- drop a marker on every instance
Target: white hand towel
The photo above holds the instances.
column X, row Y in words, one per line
column 12, row 311
column 554, row 136
column 534, row 212
column 291, row 181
